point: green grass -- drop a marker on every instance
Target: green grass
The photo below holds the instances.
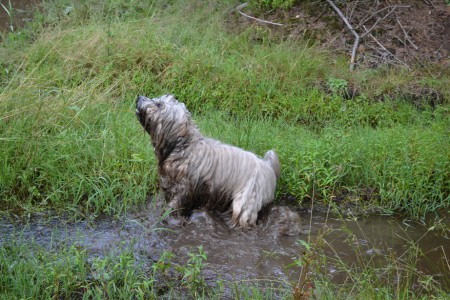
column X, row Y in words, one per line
column 69, row 140
column 29, row 271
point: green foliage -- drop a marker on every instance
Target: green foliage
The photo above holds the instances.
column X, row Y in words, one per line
column 274, row 4
column 34, row 273
column 29, row 271
column 70, row 140
column 192, row 277
column 8, row 9
column 337, row 86
column 164, row 263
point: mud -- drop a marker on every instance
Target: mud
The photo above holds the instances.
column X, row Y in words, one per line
column 267, row 251
column 16, row 13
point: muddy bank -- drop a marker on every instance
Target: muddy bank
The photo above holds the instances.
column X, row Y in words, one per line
column 268, row 251
column 15, row 13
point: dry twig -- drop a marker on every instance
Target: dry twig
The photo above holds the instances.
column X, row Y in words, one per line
column 381, row 10
column 378, row 20
column 367, row 32
column 386, row 50
column 239, row 10
column 352, row 30
column 406, row 35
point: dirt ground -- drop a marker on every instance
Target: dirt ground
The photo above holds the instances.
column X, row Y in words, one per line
column 407, row 33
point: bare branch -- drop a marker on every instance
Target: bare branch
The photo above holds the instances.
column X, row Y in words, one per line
column 406, row 36
column 245, row 4
column 386, row 50
column 383, row 9
column 378, row 20
column 352, row 30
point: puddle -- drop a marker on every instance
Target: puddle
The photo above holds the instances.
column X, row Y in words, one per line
column 265, row 252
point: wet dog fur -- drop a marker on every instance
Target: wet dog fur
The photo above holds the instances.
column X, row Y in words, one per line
column 199, row 172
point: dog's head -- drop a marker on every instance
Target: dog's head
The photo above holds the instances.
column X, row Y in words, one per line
column 165, row 109
column 167, row 121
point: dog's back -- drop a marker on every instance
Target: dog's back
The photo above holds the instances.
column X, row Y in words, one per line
column 272, row 159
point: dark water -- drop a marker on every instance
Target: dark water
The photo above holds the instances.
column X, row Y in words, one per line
column 265, row 252
column 15, row 13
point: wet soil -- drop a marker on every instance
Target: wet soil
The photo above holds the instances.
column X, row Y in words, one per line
column 16, row 13
column 267, row 251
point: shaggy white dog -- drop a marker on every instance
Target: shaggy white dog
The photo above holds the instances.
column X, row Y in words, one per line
column 196, row 171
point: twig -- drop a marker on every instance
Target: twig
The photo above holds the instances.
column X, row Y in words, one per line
column 380, row 10
column 378, row 21
column 406, row 35
column 319, row 16
column 384, row 48
column 429, row 2
column 352, row 30
column 245, row 4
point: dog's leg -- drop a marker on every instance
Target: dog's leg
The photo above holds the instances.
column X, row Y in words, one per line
column 176, row 196
column 236, row 208
column 248, row 217
column 245, row 207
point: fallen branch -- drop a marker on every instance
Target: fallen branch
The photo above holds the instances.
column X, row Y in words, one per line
column 352, row 30
column 386, row 50
column 378, row 21
column 381, row 10
column 406, row 35
column 245, row 4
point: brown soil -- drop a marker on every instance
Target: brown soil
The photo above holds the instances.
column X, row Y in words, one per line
column 15, row 13
column 407, row 33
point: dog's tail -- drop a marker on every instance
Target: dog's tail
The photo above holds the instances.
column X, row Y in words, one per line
column 272, row 159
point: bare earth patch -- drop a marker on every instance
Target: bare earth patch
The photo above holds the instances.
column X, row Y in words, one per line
column 400, row 32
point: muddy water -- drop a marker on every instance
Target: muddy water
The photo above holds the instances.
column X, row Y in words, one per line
column 267, row 251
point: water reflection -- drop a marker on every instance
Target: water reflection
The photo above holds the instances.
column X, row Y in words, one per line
column 267, row 251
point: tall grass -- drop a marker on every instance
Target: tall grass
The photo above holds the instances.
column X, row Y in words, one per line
column 70, row 141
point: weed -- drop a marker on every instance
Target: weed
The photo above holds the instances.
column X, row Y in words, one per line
column 273, row 4
column 192, row 277
column 164, row 263
column 337, row 86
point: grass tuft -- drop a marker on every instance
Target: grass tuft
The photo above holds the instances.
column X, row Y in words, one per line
column 70, row 141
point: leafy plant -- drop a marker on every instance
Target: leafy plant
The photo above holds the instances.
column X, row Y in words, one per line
column 192, row 277
column 163, row 264
column 337, row 86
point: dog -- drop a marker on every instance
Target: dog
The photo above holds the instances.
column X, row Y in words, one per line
column 199, row 172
